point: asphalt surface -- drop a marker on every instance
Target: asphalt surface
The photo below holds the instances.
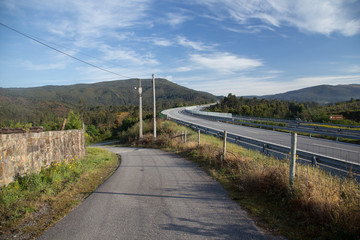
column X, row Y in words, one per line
column 343, row 151
column 157, row 195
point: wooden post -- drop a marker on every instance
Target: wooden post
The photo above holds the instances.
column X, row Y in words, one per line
column 292, row 159
column 224, row 146
column 63, row 125
column 199, row 138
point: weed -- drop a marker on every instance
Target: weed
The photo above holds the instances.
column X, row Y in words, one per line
column 34, row 202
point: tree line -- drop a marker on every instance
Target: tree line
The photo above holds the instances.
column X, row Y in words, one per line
column 309, row 111
column 101, row 122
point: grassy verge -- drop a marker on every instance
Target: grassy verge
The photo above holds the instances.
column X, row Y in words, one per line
column 321, row 206
column 35, row 202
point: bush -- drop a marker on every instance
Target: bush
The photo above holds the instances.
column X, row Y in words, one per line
column 73, row 121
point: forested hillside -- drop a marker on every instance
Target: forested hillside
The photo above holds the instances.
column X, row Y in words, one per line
column 42, row 103
column 106, row 108
column 289, row 110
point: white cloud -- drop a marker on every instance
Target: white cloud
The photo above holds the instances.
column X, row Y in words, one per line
column 94, row 17
column 41, row 67
column 353, row 69
column 315, row 16
column 162, row 42
column 183, row 41
column 225, row 62
column 313, row 81
column 263, row 85
column 175, row 19
column 129, row 56
column 84, row 18
column 183, row 69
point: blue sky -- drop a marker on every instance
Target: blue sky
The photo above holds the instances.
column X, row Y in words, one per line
column 242, row 47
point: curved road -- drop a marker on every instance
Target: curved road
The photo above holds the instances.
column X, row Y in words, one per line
column 343, row 151
column 156, row 195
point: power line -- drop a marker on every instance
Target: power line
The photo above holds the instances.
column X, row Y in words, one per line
column 73, row 57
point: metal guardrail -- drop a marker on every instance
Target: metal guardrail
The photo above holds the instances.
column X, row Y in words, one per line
column 337, row 133
column 193, row 110
column 331, row 164
column 252, row 118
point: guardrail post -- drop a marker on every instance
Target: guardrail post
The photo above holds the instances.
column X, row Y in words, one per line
column 224, row 146
column 264, row 148
column 199, row 138
column 292, row 159
column 314, row 162
column 185, row 136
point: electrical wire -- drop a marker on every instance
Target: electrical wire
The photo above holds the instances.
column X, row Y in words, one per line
column 66, row 54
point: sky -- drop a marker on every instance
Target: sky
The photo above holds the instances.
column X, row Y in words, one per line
column 243, row 47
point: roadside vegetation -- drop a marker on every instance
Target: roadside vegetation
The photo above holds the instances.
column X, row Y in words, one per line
column 34, row 202
column 279, row 109
column 322, row 206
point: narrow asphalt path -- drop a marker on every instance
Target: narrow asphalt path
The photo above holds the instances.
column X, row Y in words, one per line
column 156, row 195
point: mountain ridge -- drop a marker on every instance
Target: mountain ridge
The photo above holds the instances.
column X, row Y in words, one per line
column 322, row 94
column 31, row 104
column 120, row 92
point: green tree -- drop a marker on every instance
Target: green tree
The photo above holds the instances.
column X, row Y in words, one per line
column 73, row 121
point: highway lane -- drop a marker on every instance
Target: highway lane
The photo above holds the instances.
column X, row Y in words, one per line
column 343, row 151
column 157, row 195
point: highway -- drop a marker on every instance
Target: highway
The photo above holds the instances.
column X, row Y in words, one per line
column 344, row 151
column 157, row 195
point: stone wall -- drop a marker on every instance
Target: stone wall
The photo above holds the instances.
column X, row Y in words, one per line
column 29, row 152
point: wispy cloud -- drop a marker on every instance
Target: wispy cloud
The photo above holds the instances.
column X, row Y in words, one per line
column 319, row 80
column 94, row 19
column 162, row 42
column 353, row 69
column 198, row 45
column 129, row 56
column 319, row 16
column 262, row 85
column 40, row 67
column 225, row 62
column 183, row 69
column 85, row 18
column 175, row 19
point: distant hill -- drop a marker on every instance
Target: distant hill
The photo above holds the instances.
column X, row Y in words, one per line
column 121, row 92
column 321, row 94
column 15, row 102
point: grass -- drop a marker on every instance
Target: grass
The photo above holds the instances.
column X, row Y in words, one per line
column 331, row 126
column 36, row 201
column 321, row 206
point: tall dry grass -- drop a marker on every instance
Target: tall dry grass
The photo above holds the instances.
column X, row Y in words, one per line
column 324, row 206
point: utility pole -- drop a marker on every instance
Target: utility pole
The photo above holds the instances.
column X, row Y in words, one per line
column 140, row 111
column 154, row 100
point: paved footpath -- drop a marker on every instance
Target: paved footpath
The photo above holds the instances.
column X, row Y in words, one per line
column 156, row 195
